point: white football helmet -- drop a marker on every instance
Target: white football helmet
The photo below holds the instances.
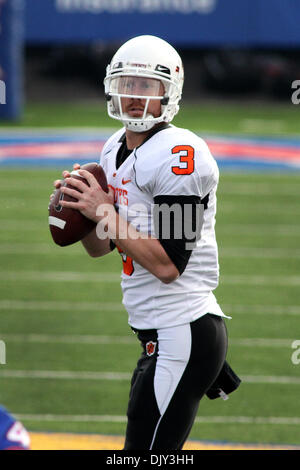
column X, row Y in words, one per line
column 137, row 70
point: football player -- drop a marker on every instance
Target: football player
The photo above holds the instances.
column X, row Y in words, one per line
column 160, row 215
column 13, row 435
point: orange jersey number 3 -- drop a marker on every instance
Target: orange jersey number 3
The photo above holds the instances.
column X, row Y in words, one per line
column 128, row 267
column 186, row 158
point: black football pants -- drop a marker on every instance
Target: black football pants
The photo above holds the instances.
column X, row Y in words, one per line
column 176, row 368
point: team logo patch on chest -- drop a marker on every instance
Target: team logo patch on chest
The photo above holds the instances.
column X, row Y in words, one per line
column 150, row 348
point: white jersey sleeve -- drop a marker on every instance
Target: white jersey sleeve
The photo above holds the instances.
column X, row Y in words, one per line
column 176, row 162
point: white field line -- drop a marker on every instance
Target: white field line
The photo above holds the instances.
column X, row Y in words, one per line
column 72, row 130
column 261, row 253
column 69, row 339
column 105, row 339
column 70, row 276
column 249, row 420
column 259, row 229
column 53, row 305
column 236, row 189
column 12, row 225
column 124, row 376
column 8, row 189
column 259, row 125
column 30, row 249
column 105, row 132
column 270, row 209
column 49, row 131
column 262, row 342
column 12, row 199
column 40, row 249
column 58, row 276
column 223, row 206
column 263, row 309
column 73, row 418
column 271, row 379
column 64, row 374
column 244, row 279
column 256, row 189
column 21, row 225
column 278, row 420
column 69, row 306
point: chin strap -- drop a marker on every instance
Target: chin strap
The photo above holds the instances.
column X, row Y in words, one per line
column 139, row 125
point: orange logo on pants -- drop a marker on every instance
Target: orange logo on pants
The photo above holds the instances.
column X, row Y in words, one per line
column 150, row 348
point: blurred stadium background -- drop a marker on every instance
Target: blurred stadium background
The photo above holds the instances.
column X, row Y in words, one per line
column 68, row 350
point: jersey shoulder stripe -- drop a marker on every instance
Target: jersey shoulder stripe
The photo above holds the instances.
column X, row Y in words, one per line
column 110, row 143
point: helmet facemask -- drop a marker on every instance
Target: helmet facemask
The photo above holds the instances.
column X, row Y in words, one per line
column 138, row 83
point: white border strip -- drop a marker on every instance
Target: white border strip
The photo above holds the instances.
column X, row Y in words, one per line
column 64, row 374
column 57, row 222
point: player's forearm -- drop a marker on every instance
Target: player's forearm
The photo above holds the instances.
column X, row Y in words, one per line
column 144, row 249
column 95, row 246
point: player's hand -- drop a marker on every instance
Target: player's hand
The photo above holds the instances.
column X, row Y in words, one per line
column 89, row 198
column 66, row 174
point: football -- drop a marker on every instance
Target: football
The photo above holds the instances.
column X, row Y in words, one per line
column 68, row 226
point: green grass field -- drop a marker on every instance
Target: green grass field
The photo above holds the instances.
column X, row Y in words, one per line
column 248, row 117
column 69, row 350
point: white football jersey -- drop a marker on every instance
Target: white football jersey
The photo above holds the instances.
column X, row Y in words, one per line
column 172, row 162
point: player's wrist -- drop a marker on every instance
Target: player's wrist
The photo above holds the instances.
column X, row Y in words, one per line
column 105, row 219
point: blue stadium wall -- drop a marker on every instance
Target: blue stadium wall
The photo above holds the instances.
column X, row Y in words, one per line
column 11, row 58
column 182, row 22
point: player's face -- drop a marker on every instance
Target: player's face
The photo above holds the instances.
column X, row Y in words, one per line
column 140, row 86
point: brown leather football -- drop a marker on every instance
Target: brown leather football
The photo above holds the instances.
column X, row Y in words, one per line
column 68, row 226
